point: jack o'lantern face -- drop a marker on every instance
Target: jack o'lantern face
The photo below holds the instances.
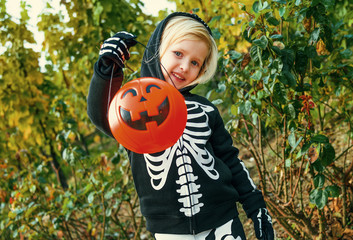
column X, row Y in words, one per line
column 147, row 115
column 138, row 110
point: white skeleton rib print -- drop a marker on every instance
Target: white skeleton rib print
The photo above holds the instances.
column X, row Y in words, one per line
column 190, row 147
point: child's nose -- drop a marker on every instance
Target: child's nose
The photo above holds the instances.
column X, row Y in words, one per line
column 184, row 66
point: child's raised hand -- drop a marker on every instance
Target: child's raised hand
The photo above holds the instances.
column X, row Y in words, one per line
column 263, row 224
column 116, row 49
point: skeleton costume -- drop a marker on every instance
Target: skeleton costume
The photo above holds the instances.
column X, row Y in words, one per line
column 192, row 187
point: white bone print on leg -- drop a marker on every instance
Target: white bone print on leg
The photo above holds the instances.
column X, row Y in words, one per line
column 224, row 232
column 190, row 147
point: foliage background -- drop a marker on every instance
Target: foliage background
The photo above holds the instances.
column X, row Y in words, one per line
column 284, row 88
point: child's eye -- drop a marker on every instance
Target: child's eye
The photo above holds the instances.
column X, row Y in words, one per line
column 194, row 63
column 177, row 53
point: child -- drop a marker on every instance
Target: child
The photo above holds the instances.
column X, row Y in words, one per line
column 188, row 191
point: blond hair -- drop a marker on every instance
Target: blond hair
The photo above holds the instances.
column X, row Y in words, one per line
column 180, row 28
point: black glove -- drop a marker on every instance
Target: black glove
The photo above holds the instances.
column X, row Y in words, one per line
column 116, row 49
column 263, row 224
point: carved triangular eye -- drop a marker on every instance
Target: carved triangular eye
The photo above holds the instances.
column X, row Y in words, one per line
column 148, row 88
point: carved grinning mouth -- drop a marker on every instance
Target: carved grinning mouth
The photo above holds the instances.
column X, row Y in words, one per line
column 163, row 110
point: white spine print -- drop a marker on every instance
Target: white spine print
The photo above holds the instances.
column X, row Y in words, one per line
column 188, row 190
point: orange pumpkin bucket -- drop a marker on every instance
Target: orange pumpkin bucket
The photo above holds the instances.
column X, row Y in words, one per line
column 147, row 115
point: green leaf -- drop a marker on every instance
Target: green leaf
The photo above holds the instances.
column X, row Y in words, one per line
column 271, row 19
column 290, row 79
column 217, row 101
column 262, row 42
column 347, row 53
column 107, row 5
column 90, row 197
column 116, row 159
column 276, row 36
column 214, row 19
column 318, row 166
column 327, row 155
column 234, row 54
column 256, row 7
column 255, row 118
column 279, row 93
column 234, row 110
column 247, row 34
column 97, row 13
column 260, row 94
column 288, row 163
column 290, row 111
column 32, row 188
column 245, row 107
column 283, row 79
column 108, row 212
column 254, row 53
column 303, row 150
column 12, row 214
column 85, row 190
column 221, row 88
column 291, row 139
column 319, row 197
column 259, row 6
column 301, row 62
column 319, row 181
column 298, row 2
column 282, row 11
column 31, row 210
column 24, row 12
column 333, row 191
column 216, row 34
column 296, row 144
column 314, row 36
column 319, row 138
column 265, row 5
column 68, row 155
column 109, row 194
column 287, row 57
column 328, row 3
column 280, row 1
column 310, row 51
column 257, row 75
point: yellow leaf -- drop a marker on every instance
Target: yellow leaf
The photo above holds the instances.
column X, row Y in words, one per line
column 222, row 44
column 38, row 139
column 14, row 119
column 12, row 214
column 97, row 138
column 27, row 131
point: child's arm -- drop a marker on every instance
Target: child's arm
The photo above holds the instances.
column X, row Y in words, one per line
column 107, row 77
column 249, row 196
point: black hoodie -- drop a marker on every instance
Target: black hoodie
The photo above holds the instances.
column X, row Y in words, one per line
column 192, row 186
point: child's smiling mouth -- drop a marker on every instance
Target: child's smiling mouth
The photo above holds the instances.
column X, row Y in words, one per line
column 178, row 76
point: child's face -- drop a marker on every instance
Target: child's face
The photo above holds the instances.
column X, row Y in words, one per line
column 183, row 61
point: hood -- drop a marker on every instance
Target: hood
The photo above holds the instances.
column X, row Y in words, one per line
column 150, row 66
